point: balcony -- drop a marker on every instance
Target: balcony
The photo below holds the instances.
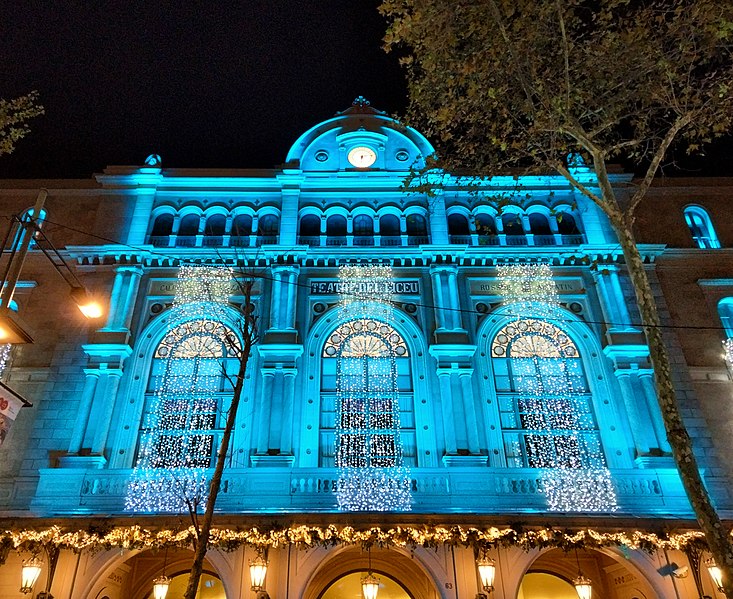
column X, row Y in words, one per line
column 483, row 491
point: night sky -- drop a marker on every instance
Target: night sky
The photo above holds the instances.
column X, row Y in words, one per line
column 202, row 84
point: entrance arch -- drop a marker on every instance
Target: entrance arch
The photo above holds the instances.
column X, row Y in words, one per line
column 397, row 571
column 349, row 585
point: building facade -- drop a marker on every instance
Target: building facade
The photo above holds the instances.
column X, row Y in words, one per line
column 467, row 434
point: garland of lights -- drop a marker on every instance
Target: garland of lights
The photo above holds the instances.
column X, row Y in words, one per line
column 368, row 445
column 307, row 537
column 176, row 441
column 562, row 439
column 4, row 356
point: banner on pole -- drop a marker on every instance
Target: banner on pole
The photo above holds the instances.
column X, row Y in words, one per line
column 10, row 405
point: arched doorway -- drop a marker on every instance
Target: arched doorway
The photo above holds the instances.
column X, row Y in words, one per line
column 349, row 587
column 541, row 585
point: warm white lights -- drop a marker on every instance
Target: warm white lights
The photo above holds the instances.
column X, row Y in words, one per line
column 87, row 305
column 160, row 587
column 715, row 573
column 486, row 572
column 366, row 347
column 370, row 586
column 257, row 573
column 556, row 429
column 29, row 574
column 583, row 587
column 178, row 437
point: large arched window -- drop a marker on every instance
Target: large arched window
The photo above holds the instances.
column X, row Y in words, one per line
column 417, row 229
column 188, row 230
column 187, row 395
column 725, row 311
column 701, row 227
column 336, row 230
column 544, row 399
column 268, row 228
column 370, row 359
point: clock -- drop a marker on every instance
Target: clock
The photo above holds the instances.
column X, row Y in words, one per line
column 361, row 157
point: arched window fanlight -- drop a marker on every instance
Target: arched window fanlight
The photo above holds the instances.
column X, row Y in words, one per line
column 701, row 227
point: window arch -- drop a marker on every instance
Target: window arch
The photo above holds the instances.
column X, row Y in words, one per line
column 458, row 225
column 26, row 217
column 363, row 225
column 163, row 225
column 268, row 228
column 512, row 223
column 416, row 229
column 701, row 227
column 725, row 311
column 567, row 224
column 373, row 359
column 187, row 395
column 545, row 405
column 215, row 225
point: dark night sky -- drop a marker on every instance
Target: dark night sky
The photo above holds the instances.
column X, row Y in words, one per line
column 202, row 84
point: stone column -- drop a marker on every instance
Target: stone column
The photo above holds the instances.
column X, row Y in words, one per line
column 122, row 300
column 438, row 298
column 275, row 298
column 649, row 389
column 446, row 405
column 286, row 435
column 85, row 406
column 639, row 428
column 469, row 409
column 454, row 315
column 265, row 409
column 108, row 397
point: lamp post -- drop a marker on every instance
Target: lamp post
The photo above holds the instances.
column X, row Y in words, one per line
column 29, row 574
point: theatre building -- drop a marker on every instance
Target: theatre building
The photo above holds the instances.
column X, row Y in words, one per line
column 439, row 382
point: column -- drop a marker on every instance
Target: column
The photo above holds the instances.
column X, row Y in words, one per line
column 636, row 420
column 649, row 389
column 469, row 409
column 122, row 300
column 438, row 298
column 286, row 435
column 446, row 406
column 275, row 299
column 111, row 384
column 613, row 304
column 291, row 295
column 85, row 406
column 455, row 304
column 263, row 434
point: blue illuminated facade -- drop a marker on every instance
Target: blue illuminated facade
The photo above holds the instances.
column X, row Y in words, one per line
column 462, row 432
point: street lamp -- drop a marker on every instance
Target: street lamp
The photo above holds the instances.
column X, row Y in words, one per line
column 715, row 573
column 583, row 586
column 160, row 587
column 487, row 572
column 370, row 586
column 29, row 573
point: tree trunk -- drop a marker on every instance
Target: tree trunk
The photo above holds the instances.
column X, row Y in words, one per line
column 202, row 543
column 716, row 534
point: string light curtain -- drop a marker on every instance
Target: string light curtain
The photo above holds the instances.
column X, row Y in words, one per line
column 177, row 438
column 368, row 445
column 552, row 403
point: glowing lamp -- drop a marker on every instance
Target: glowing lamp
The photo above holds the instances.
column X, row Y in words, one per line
column 583, row 587
column 88, row 306
column 370, row 586
column 486, row 572
column 715, row 573
column 29, row 573
column 13, row 329
column 257, row 572
column 160, row 587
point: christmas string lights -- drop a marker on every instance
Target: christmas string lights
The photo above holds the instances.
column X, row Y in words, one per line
column 368, row 443
column 178, row 437
column 307, row 537
column 4, row 356
column 552, row 404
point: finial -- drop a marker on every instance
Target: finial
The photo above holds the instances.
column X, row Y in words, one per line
column 154, row 160
column 360, row 101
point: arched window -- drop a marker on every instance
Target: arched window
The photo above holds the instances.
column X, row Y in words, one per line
column 512, row 224
column 215, row 225
column 373, row 360
column 458, row 225
column 486, row 229
column 268, row 228
column 241, row 230
column 701, row 227
column 725, row 311
column 336, row 230
column 162, row 226
column 310, row 226
column 417, row 229
column 187, row 230
column 538, row 224
column 544, row 398
column 566, row 224
column 187, row 396
column 389, row 226
column 363, row 225
column 26, row 217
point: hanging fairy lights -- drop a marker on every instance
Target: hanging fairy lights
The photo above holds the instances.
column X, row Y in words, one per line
column 4, row 356
column 552, row 404
column 177, row 439
column 368, row 445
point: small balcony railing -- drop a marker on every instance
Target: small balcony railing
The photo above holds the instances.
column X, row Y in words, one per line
column 417, row 240
column 266, row 239
column 363, row 240
column 186, row 241
column 213, row 241
column 309, row 240
column 336, row 240
column 160, row 241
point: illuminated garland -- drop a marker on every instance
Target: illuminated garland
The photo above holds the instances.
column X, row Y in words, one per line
column 368, row 444
column 306, row 537
column 728, row 352
column 4, row 356
column 176, row 442
column 561, row 435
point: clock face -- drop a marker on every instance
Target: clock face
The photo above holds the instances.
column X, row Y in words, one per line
column 362, row 157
